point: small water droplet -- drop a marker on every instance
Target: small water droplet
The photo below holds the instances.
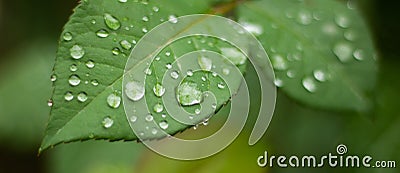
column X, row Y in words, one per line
column 158, row 108
column 350, row 35
column 167, row 53
column 358, row 54
column 107, row 122
column 156, row 9
column 73, row 68
column 203, row 78
column 53, row 78
column 291, row 74
column 90, row 64
column 189, row 73
column 114, row 100
column 234, row 55
column 68, row 96
column 125, row 44
column 214, row 74
column 133, row 119
column 278, row 82
column 197, row 111
column 174, row 75
column 168, row 66
column 214, row 105
column 304, row 17
column 145, row 18
column 221, row 85
column 77, row 52
column 164, row 115
column 205, row 122
column 134, row 90
column 149, row 118
column 122, row 1
column 148, row 72
column 116, row 51
column 164, row 125
column 144, row 30
column 74, row 80
column 82, row 97
column 111, row 22
column 189, row 94
column 343, row 51
column 154, row 131
column 94, row 82
column 93, row 22
column 158, row 90
column 278, row 62
column 172, row 19
column 102, row 33
column 50, row 103
column 309, row 84
column 67, row 36
column 205, row 63
column 319, row 75
column 342, row 21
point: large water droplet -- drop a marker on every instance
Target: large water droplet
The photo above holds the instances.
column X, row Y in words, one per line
column 158, row 108
column 111, row 22
column 205, row 63
column 343, row 51
column 77, row 52
column 134, row 90
column 102, row 33
column 114, row 100
column 158, row 90
column 234, row 55
column 189, row 94
column 164, row 125
column 74, row 80
column 82, row 97
column 107, row 122
column 67, row 36
column 309, row 84
column 278, row 62
column 68, row 96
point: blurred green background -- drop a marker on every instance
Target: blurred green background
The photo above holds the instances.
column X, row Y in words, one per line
column 29, row 32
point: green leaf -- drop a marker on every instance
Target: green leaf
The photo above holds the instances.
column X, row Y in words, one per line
column 321, row 51
column 91, row 58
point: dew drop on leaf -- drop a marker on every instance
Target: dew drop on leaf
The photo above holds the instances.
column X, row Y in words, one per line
column 53, row 78
column 189, row 94
column 278, row 62
column 304, row 17
column 158, row 108
column 221, row 86
column 134, row 90
column 172, row 19
column 125, row 44
column 111, row 22
column 82, row 97
column 90, row 64
column 164, row 125
column 73, row 68
column 116, row 51
column 358, row 54
column 107, row 122
column 343, row 51
column 113, row 100
column 50, row 103
column 234, row 55
column 68, row 96
column 158, row 90
column 149, row 118
column 133, row 119
column 174, row 75
column 102, row 33
column 94, row 82
column 205, row 63
column 319, row 75
column 309, row 84
column 77, row 52
column 67, row 36
column 74, row 80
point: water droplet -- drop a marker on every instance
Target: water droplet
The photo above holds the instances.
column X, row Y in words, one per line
column 82, row 97
column 167, row 53
column 351, row 5
column 221, row 85
column 350, row 35
column 174, row 75
column 111, row 22
column 205, row 63
column 214, row 74
column 329, row 28
column 74, row 80
column 116, row 51
column 134, row 90
column 149, row 118
column 148, row 72
column 68, row 96
column 304, row 17
column 73, row 68
column 164, row 125
column 189, row 94
column 205, row 122
column 94, row 82
column 113, row 101
column 50, row 103
column 319, row 75
column 189, row 73
column 172, row 19
column 197, row 111
column 125, row 44
column 154, row 131
column 343, row 51
column 77, row 52
column 164, row 115
column 359, row 54
column 309, row 84
column 203, row 78
column 278, row 82
column 291, row 74
column 156, row 9
column 93, row 22
column 234, row 55
column 342, row 21
column 102, row 33
column 278, row 62
column 67, row 36
column 214, row 105
column 90, row 64
column 252, row 28
column 158, row 90
column 225, row 71
column 158, row 108
column 107, row 122
column 122, row 1
column 53, row 78
column 145, row 18
column 144, row 30
column 168, row 66
column 133, row 119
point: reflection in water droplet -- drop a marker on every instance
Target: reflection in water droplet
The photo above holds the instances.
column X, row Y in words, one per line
column 174, row 75
column 167, row 53
column 309, row 84
column 158, row 90
column 358, row 54
column 172, row 19
column 205, row 63
column 73, row 68
column 90, row 64
column 116, row 51
column 102, row 33
column 125, row 44
column 148, row 72
column 77, row 52
column 113, row 101
column 50, row 103
column 133, row 119
column 68, row 96
column 134, row 90
column 319, row 75
column 82, row 97
column 156, row 9
column 278, row 82
column 149, row 118
column 111, row 22
column 189, row 73
column 154, row 131
column 145, row 18
column 158, row 108
column 107, row 122
column 234, row 55
column 343, row 51
column 221, row 85
column 164, row 125
column 122, row 1
column 189, row 94
column 53, row 78
column 168, row 66
column 67, row 36
column 94, row 82
column 74, row 80
column 144, row 30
